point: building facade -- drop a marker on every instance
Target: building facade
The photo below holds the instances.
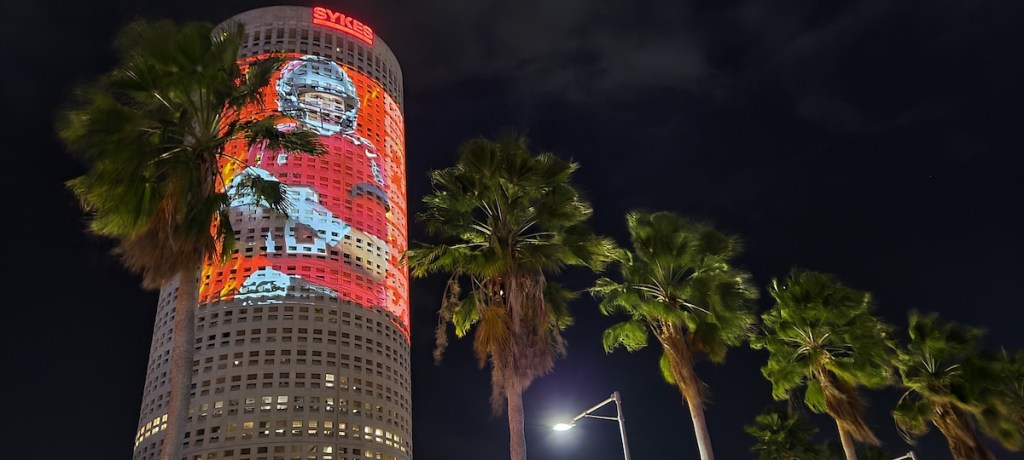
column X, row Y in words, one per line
column 302, row 335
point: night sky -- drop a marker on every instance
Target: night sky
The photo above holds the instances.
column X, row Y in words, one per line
column 876, row 140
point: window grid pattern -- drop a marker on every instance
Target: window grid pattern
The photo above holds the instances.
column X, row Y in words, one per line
column 326, row 376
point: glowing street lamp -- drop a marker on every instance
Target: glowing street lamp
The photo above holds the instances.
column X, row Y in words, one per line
column 588, row 413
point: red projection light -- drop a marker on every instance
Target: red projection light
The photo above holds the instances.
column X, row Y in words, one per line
column 347, row 231
column 327, row 18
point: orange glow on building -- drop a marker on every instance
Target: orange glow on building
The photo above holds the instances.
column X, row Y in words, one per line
column 348, row 227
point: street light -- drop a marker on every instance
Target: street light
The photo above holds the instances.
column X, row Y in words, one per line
column 618, row 416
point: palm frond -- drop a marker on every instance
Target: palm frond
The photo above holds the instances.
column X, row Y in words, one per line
column 821, row 334
column 631, row 334
column 679, row 273
column 153, row 132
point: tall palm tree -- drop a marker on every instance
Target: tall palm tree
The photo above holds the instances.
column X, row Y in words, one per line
column 945, row 376
column 153, row 133
column 678, row 284
column 505, row 220
column 820, row 334
column 784, row 435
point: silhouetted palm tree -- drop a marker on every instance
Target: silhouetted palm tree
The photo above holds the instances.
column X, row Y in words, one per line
column 152, row 133
column 820, row 334
column 784, row 435
column 1003, row 417
column 945, row 377
column 506, row 220
column 679, row 284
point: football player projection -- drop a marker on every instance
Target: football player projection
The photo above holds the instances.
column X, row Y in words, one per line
column 333, row 238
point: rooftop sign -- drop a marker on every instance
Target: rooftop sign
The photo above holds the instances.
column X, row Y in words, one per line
column 328, row 18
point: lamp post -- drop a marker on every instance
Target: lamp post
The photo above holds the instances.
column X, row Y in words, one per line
column 618, row 417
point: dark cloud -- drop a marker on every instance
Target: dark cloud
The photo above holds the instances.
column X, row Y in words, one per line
column 570, row 48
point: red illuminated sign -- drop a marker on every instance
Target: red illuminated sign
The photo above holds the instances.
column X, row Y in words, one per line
column 327, row 18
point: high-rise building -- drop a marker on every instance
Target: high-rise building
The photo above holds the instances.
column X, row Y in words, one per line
column 302, row 335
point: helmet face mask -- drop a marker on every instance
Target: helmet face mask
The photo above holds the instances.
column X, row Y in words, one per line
column 324, row 112
column 319, row 95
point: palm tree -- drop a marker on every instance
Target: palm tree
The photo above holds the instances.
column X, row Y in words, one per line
column 945, row 376
column 1003, row 419
column 153, row 133
column 506, row 220
column 1012, row 375
column 820, row 334
column 784, row 435
column 678, row 284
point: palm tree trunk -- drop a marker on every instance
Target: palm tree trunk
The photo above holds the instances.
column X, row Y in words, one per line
column 681, row 360
column 182, row 349
column 844, row 405
column 849, row 448
column 516, row 418
column 700, row 427
column 962, row 437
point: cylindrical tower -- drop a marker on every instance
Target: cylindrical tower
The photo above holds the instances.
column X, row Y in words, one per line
column 302, row 336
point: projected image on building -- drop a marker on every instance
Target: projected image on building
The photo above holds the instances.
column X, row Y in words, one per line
column 342, row 236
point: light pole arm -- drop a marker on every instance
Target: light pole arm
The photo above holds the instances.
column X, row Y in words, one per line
column 618, row 417
column 599, row 405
